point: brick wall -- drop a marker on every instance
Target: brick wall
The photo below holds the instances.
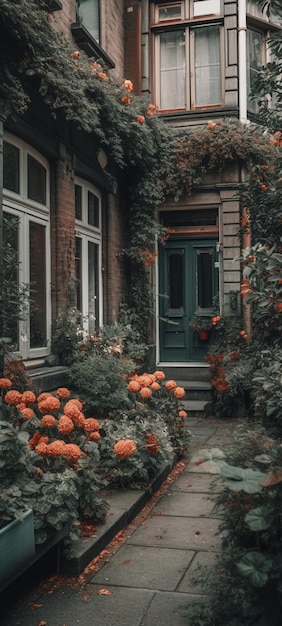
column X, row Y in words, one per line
column 113, row 260
column 63, row 235
column 112, row 33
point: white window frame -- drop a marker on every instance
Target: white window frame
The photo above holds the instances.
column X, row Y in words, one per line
column 26, row 210
column 92, row 234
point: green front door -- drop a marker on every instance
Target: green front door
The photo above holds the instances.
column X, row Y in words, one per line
column 188, row 283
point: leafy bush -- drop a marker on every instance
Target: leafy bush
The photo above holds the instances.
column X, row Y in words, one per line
column 268, row 384
column 245, row 585
column 66, row 335
column 101, row 380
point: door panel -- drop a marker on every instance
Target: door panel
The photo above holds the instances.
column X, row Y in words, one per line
column 188, row 282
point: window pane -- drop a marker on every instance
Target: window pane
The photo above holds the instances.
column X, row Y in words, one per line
column 93, row 210
column 10, row 289
column 78, row 272
column 204, row 279
column 176, row 280
column 93, row 287
column 206, row 7
column 36, row 180
column 88, row 11
column 169, row 12
column 37, row 263
column 11, row 164
column 78, row 202
column 254, row 62
column 207, row 66
column 172, row 70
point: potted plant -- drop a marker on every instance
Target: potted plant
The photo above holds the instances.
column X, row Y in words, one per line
column 202, row 324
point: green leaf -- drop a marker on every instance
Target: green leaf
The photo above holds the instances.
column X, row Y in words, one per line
column 248, row 480
column 255, row 567
column 259, row 518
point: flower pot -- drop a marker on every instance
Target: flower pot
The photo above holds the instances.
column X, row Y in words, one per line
column 203, row 334
column 17, row 547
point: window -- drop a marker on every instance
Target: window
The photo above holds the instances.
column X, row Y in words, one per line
column 26, row 205
column 254, row 63
column 88, row 255
column 188, row 54
column 88, row 13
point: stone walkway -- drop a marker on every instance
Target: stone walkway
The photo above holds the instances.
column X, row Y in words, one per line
column 144, row 576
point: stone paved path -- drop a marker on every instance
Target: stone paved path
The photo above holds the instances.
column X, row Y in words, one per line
column 145, row 577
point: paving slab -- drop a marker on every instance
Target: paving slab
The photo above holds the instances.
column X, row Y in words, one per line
column 197, row 571
column 185, row 504
column 143, row 567
column 168, row 609
column 177, row 532
column 195, row 483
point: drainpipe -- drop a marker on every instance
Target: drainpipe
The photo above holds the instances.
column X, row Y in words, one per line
column 243, row 99
column 242, row 60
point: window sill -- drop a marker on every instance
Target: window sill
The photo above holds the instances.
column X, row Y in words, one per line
column 89, row 45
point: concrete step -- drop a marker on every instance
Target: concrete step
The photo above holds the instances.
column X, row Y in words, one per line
column 196, row 389
column 191, row 372
column 49, row 378
column 195, row 408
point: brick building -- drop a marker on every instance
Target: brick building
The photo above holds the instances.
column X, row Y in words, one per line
column 196, row 61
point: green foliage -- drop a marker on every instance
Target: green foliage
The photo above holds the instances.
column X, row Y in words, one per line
column 66, row 335
column 245, row 585
column 268, row 383
column 120, row 339
column 100, row 379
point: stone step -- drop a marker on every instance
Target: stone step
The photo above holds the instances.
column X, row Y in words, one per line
column 192, row 372
column 195, row 408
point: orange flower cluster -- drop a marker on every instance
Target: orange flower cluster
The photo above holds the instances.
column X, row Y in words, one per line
column 128, row 85
column 152, row 443
column 147, row 383
column 243, row 334
column 125, row 448
column 63, row 393
column 215, row 320
column 140, row 119
column 151, row 109
column 5, row 383
column 219, row 379
column 245, row 220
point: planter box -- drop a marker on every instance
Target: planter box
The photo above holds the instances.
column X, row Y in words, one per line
column 17, row 548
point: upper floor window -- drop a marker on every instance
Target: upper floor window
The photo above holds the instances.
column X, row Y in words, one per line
column 25, row 172
column 263, row 11
column 89, row 14
column 188, row 55
column 87, row 205
column 254, row 63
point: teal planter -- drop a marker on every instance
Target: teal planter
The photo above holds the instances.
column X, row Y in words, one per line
column 17, row 548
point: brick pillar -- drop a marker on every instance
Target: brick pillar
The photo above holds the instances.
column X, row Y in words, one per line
column 63, row 234
column 113, row 260
column 132, row 43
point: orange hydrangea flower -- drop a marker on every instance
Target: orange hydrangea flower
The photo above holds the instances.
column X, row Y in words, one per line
column 91, row 424
column 145, row 393
column 27, row 413
column 95, row 436
column 65, row 425
column 159, row 375
column 28, row 397
column 133, row 386
column 48, row 421
column 42, row 448
column 125, row 448
column 75, row 54
column 179, row 392
column 170, row 385
column 13, row 397
column 140, row 119
column 155, row 386
column 63, row 393
column 125, row 100
column 72, row 452
column 49, row 405
column 182, row 414
column 56, row 448
column 5, row 383
column 75, row 402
